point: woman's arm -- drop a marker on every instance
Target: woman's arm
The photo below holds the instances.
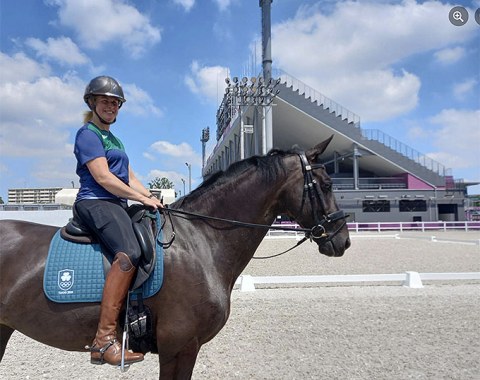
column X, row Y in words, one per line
column 138, row 186
column 98, row 168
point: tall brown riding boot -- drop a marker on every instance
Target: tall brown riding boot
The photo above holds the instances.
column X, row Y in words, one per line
column 106, row 348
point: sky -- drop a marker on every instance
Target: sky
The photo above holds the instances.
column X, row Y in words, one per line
column 402, row 66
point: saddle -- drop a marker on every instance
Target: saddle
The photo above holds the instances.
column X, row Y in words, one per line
column 143, row 222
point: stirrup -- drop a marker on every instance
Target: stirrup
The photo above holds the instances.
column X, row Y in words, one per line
column 101, row 350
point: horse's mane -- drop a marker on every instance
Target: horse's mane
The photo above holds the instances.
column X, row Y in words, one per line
column 270, row 166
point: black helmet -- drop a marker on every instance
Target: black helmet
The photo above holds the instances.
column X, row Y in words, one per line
column 104, row 85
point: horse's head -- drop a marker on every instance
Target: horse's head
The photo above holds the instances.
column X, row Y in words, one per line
column 311, row 202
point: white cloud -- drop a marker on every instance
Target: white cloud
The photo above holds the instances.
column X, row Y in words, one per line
column 37, row 109
column 109, row 21
column 456, row 135
column 181, row 150
column 376, row 94
column 47, row 101
column 149, row 156
column 417, row 132
column 179, row 153
column 139, row 102
column 57, row 171
column 463, row 89
column 62, row 50
column 36, row 140
column 20, row 68
column 207, row 81
column 223, row 5
column 186, row 4
column 449, row 56
column 349, row 52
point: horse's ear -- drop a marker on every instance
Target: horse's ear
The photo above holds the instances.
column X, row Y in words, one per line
column 317, row 150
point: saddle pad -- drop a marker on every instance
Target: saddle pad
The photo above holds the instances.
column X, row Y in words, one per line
column 74, row 272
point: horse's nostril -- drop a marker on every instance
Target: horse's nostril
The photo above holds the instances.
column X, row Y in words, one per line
column 347, row 243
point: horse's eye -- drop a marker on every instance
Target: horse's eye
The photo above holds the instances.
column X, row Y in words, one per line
column 327, row 186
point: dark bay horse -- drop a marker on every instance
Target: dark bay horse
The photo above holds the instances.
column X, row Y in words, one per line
column 200, row 267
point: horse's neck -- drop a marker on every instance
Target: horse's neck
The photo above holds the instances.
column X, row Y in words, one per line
column 250, row 198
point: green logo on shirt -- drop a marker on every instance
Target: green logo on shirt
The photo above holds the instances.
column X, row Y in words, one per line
column 107, row 138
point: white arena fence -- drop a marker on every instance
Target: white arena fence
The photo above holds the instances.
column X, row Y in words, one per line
column 415, row 226
column 408, row 279
column 387, row 226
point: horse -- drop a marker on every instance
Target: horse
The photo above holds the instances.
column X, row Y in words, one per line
column 200, row 267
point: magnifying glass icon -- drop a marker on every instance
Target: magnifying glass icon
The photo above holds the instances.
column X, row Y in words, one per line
column 457, row 16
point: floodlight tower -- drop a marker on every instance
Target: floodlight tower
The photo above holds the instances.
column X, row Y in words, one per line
column 267, row 132
column 266, row 39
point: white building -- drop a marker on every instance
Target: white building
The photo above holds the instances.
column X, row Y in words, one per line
column 33, row 195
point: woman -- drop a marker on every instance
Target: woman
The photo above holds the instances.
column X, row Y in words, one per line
column 106, row 182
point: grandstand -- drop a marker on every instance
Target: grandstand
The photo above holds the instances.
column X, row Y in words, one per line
column 376, row 177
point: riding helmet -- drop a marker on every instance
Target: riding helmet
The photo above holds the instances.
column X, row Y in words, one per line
column 104, row 85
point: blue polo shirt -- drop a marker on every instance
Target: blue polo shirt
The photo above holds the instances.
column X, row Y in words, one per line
column 92, row 142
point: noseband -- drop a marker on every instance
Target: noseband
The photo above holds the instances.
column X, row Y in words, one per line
column 310, row 187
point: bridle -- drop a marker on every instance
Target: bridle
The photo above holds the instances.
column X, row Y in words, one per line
column 311, row 187
column 315, row 233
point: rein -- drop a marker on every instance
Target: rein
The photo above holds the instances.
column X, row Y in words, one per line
column 317, row 232
column 237, row 223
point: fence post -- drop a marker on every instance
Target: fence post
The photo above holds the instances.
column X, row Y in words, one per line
column 413, row 280
column 246, row 283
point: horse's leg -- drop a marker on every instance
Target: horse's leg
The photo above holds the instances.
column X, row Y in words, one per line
column 181, row 367
column 5, row 334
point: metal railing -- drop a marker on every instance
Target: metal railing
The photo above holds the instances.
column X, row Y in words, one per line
column 369, row 183
column 317, row 96
column 405, row 150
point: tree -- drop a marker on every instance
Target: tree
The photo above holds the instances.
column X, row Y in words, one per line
column 1, row 201
column 160, row 183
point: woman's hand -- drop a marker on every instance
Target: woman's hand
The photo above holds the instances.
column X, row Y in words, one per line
column 147, row 198
column 152, row 201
